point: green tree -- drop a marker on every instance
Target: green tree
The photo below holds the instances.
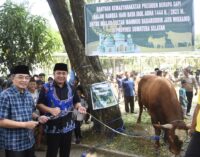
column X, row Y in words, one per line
column 24, row 38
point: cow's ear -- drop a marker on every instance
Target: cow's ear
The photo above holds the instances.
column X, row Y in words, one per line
column 158, row 126
column 164, row 126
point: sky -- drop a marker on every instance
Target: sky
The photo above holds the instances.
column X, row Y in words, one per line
column 41, row 7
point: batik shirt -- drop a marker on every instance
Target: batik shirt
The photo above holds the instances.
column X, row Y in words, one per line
column 54, row 96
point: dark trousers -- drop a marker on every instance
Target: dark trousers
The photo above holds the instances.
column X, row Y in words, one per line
column 120, row 93
column 61, row 142
column 129, row 100
column 77, row 129
column 189, row 99
column 193, row 147
column 25, row 153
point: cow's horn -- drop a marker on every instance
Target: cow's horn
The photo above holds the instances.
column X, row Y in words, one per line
column 167, row 126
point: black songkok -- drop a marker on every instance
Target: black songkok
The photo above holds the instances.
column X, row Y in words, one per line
column 60, row 66
column 20, row 69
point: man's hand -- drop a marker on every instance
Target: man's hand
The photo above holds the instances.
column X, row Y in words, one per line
column 55, row 111
column 30, row 124
column 43, row 119
column 82, row 109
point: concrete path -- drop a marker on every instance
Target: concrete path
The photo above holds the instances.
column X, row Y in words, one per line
column 74, row 153
column 79, row 150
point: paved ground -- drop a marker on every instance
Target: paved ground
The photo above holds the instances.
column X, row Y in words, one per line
column 79, row 150
column 74, row 153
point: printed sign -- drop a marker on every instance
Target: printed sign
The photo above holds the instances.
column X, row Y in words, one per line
column 102, row 96
column 139, row 26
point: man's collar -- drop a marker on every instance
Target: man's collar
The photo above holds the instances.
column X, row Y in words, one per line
column 56, row 85
column 18, row 91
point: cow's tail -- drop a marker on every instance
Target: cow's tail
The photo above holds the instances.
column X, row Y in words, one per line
column 140, row 101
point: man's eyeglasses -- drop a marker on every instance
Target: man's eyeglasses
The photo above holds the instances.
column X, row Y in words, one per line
column 20, row 77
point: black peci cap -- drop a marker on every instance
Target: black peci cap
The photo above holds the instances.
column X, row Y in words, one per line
column 20, row 69
column 60, row 66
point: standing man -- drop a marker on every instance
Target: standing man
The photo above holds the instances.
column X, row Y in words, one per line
column 129, row 92
column 16, row 116
column 190, row 85
column 183, row 98
column 119, row 79
column 57, row 100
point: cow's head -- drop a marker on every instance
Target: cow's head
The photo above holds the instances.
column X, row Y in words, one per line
column 172, row 139
column 175, row 143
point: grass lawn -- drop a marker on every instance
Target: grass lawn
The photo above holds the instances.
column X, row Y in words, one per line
column 143, row 144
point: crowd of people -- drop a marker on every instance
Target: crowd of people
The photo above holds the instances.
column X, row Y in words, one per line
column 29, row 107
column 29, row 104
column 127, row 87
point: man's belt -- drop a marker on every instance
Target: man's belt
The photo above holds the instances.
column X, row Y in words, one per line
column 59, row 122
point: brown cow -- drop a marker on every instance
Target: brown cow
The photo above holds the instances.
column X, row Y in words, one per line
column 158, row 95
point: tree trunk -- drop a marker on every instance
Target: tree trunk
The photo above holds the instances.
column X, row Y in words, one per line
column 78, row 18
column 87, row 71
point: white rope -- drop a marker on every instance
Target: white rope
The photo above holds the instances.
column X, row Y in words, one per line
column 118, row 132
column 113, row 130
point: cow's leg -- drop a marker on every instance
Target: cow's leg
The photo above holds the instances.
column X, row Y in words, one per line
column 157, row 142
column 157, row 131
